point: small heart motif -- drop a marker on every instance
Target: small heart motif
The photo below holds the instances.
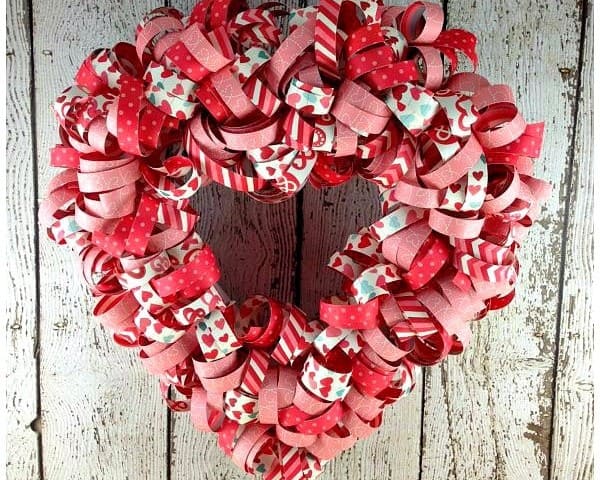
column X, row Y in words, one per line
column 144, row 323
column 178, row 90
column 208, row 339
column 325, row 391
column 146, row 296
column 407, row 119
column 266, row 153
column 220, row 323
column 211, row 355
column 166, row 107
column 293, row 99
column 223, row 338
column 364, row 242
column 333, row 332
column 415, row 93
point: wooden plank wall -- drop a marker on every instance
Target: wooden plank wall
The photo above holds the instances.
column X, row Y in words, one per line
column 516, row 405
column 101, row 415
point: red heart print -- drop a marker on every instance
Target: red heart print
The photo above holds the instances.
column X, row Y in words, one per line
column 325, row 391
column 333, row 332
column 146, row 296
column 211, row 355
column 178, row 90
column 364, row 242
column 293, row 99
column 220, row 323
column 208, row 339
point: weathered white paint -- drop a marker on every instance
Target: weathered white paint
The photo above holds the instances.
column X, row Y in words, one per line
column 102, row 416
column 21, row 321
column 488, row 412
column 574, row 395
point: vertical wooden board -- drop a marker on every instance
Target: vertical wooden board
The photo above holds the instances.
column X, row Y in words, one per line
column 102, row 415
column 329, row 216
column 573, row 421
column 255, row 244
column 21, row 322
column 488, row 412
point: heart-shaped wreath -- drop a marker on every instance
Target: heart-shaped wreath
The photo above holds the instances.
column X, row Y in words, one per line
column 356, row 88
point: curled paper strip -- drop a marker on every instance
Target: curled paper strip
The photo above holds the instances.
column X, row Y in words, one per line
column 223, row 95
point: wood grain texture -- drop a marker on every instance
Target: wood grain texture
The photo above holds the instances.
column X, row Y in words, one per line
column 572, row 456
column 22, row 452
column 255, row 244
column 488, row 412
column 329, row 216
column 255, row 247
column 102, row 415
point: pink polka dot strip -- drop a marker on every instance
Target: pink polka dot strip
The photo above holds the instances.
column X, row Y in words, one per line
column 227, row 95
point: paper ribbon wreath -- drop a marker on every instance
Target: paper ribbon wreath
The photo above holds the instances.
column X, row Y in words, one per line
column 355, row 88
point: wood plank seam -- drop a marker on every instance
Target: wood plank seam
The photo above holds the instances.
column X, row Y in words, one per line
column 425, row 371
column 528, row 453
column 299, row 240
column 35, row 425
column 264, row 262
column 36, row 236
column 566, row 223
column 97, row 415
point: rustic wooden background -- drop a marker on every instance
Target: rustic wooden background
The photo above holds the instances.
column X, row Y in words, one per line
column 517, row 405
